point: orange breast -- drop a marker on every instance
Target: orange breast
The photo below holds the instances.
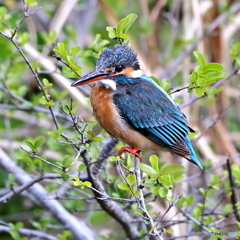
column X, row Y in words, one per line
column 106, row 113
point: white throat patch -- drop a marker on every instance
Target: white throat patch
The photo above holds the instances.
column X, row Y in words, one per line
column 136, row 74
column 108, row 83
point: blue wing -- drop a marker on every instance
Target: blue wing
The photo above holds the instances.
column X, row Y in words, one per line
column 145, row 107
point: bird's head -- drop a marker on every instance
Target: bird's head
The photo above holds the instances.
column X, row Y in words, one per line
column 116, row 65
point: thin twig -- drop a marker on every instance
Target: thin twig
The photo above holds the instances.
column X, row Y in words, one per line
column 217, row 119
column 39, row 178
column 142, row 204
column 33, row 155
column 193, row 220
column 233, row 195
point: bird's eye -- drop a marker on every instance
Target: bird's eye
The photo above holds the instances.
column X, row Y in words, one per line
column 119, row 68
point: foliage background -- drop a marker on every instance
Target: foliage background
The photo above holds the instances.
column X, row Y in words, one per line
column 165, row 34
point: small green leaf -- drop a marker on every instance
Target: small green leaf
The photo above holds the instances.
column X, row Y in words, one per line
column 173, row 168
column 52, row 36
column 46, row 83
column 66, row 160
column 112, row 34
column 154, row 162
column 121, row 25
column 213, row 67
column 200, row 58
column 123, row 36
column 200, row 91
column 170, row 231
column 75, row 50
column 202, row 191
column 87, row 184
column 38, row 143
column 131, row 179
column 165, row 84
column 68, row 73
column 131, row 18
column 201, row 81
column 81, row 167
column 29, row 143
column 163, row 192
column 123, row 186
column 31, row 2
column 147, row 169
column 35, row 65
column 194, row 76
column 165, row 180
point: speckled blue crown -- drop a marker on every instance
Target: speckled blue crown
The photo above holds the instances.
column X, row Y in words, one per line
column 117, row 55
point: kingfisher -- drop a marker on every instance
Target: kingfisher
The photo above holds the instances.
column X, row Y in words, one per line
column 132, row 107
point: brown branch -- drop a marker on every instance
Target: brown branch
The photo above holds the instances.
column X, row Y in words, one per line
column 233, row 196
column 113, row 209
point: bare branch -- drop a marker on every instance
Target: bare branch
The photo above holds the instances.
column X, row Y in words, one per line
column 30, row 233
column 233, row 196
column 39, row 178
column 79, row 228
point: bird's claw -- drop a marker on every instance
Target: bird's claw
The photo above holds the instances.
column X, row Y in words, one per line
column 133, row 151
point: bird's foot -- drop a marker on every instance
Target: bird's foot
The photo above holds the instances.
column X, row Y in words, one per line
column 133, row 151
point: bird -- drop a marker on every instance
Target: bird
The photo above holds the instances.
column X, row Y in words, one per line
column 130, row 106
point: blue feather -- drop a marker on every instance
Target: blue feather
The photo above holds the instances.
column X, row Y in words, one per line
column 193, row 156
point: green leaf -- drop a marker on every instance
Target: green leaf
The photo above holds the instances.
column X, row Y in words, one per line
column 131, row 179
column 173, row 168
column 68, row 73
column 147, row 169
column 75, row 50
column 122, row 25
column 131, row 18
column 52, row 36
column 66, row 160
column 31, row 2
column 57, row 133
column 111, row 32
column 163, row 192
column 60, row 49
column 123, row 186
column 200, row 91
column 213, row 67
column 29, row 143
column 170, row 231
column 154, row 162
column 201, row 81
column 123, row 36
column 214, row 76
column 43, row 101
column 38, row 143
column 35, row 65
column 200, row 58
column 165, row 84
column 81, row 167
column 202, row 191
column 46, row 83
column 166, row 180
column 194, row 76
column 87, row 184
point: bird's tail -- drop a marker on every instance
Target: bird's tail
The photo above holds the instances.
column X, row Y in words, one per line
column 192, row 157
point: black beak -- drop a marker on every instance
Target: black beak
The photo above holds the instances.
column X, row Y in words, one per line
column 90, row 77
